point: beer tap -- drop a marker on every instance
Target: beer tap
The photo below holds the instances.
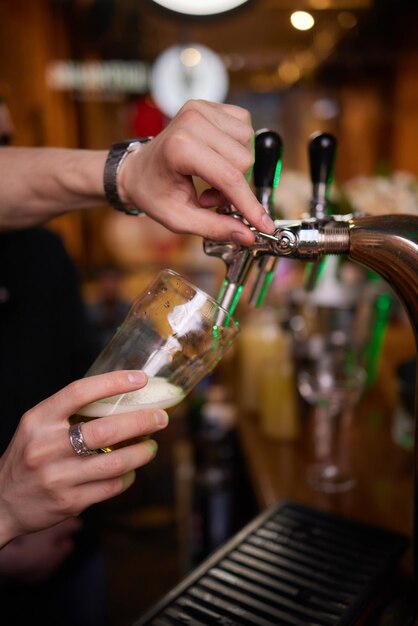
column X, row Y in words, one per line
column 267, row 167
column 239, row 259
column 386, row 244
column 322, row 149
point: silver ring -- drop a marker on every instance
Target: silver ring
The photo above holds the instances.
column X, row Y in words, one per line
column 77, row 440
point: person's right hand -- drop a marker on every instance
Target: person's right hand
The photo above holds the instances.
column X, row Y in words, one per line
column 43, row 481
column 208, row 140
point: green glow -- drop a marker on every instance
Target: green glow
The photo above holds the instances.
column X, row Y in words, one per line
column 382, row 308
column 263, row 292
column 277, row 173
column 235, row 300
column 215, row 334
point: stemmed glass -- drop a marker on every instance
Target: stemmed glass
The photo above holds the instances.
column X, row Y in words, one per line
column 336, row 349
column 332, row 382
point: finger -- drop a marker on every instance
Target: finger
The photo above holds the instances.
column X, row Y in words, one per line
column 201, row 160
column 214, row 226
column 101, row 467
column 231, row 139
column 92, row 493
column 231, row 109
column 211, row 198
column 107, row 431
column 231, row 120
column 71, row 398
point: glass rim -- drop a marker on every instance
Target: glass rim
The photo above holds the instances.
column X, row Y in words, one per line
column 198, row 290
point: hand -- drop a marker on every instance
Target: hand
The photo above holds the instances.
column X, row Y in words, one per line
column 43, row 481
column 208, row 140
column 34, row 557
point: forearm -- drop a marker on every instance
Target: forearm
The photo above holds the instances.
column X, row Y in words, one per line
column 41, row 183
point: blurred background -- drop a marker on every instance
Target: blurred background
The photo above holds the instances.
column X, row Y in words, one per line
column 78, row 73
column 86, row 73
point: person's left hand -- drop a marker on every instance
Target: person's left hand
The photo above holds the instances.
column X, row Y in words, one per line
column 33, row 558
column 207, row 140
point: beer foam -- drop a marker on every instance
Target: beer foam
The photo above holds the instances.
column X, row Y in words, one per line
column 158, row 393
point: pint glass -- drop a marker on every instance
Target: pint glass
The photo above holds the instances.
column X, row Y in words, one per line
column 176, row 334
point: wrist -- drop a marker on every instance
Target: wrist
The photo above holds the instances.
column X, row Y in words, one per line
column 113, row 176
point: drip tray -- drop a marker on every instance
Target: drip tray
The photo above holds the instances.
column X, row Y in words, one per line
column 291, row 566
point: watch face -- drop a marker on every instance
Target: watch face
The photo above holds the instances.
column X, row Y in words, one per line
column 200, row 7
column 183, row 73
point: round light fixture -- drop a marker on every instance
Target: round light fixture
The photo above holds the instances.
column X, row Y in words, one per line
column 200, row 7
column 302, row 20
column 184, row 73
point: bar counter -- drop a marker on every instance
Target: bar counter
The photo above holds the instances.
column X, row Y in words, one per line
column 383, row 493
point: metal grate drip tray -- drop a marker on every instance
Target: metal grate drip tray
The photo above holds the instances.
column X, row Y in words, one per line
column 292, row 566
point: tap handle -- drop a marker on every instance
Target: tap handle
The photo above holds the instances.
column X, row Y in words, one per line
column 322, row 148
column 268, row 150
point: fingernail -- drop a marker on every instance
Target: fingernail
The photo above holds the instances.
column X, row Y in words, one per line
column 153, row 447
column 137, row 378
column 128, row 479
column 268, row 224
column 161, row 418
column 239, row 238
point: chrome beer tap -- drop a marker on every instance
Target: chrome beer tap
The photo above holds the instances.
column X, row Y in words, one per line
column 239, row 260
column 386, row 244
column 267, row 167
column 322, row 149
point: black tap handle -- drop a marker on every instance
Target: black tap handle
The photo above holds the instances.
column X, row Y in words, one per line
column 268, row 152
column 322, row 148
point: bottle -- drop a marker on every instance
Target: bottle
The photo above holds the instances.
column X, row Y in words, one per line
column 278, row 409
column 259, row 341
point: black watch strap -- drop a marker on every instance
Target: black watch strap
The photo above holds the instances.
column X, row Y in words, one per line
column 117, row 154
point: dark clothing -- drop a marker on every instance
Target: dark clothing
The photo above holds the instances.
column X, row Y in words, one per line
column 45, row 343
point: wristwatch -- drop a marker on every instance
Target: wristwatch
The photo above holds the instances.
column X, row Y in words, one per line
column 117, row 154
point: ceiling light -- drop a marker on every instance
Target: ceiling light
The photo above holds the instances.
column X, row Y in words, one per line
column 302, row 20
column 200, row 7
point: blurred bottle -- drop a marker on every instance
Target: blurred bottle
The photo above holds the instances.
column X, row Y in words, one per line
column 279, row 415
column 266, row 374
column 258, row 342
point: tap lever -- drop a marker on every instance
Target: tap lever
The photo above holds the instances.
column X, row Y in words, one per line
column 267, row 167
column 322, row 148
column 268, row 150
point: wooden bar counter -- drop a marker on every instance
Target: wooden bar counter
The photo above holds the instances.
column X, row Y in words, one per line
column 383, row 493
